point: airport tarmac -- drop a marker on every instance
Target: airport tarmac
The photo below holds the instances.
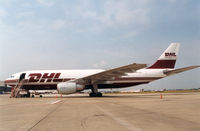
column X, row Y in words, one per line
column 113, row 112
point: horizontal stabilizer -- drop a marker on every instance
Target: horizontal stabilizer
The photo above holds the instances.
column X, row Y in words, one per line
column 172, row 72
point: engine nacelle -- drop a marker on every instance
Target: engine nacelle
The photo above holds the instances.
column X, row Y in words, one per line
column 69, row 87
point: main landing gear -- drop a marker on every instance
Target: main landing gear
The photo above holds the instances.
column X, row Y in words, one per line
column 95, row 92
column 98, row 94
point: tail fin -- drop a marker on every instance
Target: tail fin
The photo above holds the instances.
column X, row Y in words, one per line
column 168, row 58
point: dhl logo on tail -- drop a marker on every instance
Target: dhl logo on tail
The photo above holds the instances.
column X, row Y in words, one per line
column 170, row 54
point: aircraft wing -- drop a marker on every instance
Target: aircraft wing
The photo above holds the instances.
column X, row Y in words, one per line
column 111, row 74
column 172, row 72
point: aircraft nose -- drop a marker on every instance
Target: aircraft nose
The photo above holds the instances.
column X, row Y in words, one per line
column 6, row 81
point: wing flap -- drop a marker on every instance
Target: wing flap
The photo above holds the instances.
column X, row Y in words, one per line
column 172, row 72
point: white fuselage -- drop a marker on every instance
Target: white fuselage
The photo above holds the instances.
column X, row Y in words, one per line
column 48, row 79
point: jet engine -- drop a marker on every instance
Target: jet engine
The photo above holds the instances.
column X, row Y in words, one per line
column 69, row 87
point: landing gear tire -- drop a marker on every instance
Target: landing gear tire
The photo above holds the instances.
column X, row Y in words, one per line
column 32, row 96
column 92, row 94
column 28, row 94
column 40, row 95
column 98, row 94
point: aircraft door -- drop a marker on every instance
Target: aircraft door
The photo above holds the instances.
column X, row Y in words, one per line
column 22, row 76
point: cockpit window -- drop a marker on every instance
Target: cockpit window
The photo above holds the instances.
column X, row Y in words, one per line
column 12, row 76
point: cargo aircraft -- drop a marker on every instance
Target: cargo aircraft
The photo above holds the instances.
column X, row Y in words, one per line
column 72, row 81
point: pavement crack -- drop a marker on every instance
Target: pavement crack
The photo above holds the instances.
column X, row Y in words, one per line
column 84, row 120
column 43, row 118
column 119, row 120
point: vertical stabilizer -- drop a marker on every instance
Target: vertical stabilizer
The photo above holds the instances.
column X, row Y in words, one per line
column 168, row 58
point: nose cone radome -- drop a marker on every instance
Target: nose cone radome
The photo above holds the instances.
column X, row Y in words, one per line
column 9, row 81
column 6, row 81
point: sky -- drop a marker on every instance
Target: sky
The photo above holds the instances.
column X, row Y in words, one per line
column 90, row 34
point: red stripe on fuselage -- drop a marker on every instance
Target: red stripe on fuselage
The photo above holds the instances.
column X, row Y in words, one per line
column 10, row 81
column 100, row 86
